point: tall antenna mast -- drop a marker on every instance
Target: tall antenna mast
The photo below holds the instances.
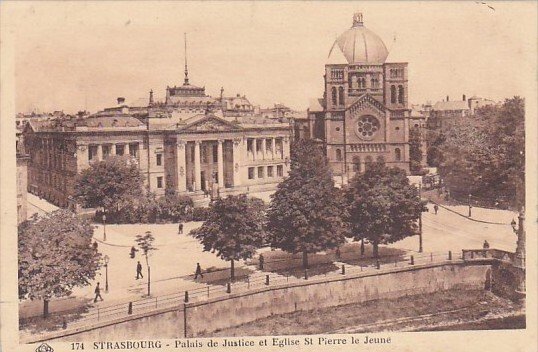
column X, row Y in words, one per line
column 186, row 69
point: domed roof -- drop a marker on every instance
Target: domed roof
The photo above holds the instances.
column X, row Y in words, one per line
column 359, row 45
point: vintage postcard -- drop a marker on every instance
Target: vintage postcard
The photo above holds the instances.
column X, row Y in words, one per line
column 268, row 176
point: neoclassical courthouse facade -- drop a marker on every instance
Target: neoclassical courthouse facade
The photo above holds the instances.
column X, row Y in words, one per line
column 363, row 115
column 183, row 144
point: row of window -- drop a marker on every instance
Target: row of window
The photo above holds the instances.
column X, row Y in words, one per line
column 337, row 96
column 107, row 150
column 261, row 172
column 396, row 72
column 368, row 159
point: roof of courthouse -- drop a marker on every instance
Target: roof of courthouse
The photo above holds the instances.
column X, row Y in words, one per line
column 87, row 123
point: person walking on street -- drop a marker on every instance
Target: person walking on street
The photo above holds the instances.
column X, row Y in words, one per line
column 139, row 271
column 97, row 294
column 180, row 229
column 133, row 252
column 198, row 271
column 486, row 245
column 436, row 208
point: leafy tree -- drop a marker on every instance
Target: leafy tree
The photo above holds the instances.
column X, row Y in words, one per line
column 233, row 229
column 145, row 243
column 173, row 207
column 55, row 255
column 305, row 214
column 112, row 184
column 383, row 206
column 484, row 155
column 415, row 151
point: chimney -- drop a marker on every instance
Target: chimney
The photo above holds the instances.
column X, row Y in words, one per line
column 447, row 98
column 121, row 100
column 464, row 97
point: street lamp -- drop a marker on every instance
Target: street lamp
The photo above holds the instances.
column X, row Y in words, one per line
column 420, row 248
column 104, row 227
column 107, row 259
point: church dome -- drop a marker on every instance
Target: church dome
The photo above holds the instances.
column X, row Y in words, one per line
column 359, row 45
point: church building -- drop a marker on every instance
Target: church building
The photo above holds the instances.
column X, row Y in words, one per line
column 364, row 113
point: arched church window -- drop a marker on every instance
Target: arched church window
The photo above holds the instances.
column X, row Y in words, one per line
column 398, row 154
column 356, row 164
column 400, row 94
column 334, row 95
column 338, row 155
column 341, row 96
column 393, row 94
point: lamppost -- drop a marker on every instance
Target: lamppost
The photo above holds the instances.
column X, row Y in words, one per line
column 470, row 206
column 519, row 260
column 104, row 226
column 107, row 259
column 420, row 249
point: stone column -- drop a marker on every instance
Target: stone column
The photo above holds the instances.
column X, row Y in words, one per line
column 197, row 171
column 286, row 153
column 113, row 149
column 99, row 152
column 264, row 145
column 274, row 147
column 220, row 164
column 127, row 149
column 181, row 166
column 254, row 149
column 237, row 161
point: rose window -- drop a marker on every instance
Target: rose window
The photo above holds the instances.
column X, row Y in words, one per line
column 367, row 126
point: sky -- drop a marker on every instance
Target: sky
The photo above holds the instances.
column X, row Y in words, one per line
column 73, row 56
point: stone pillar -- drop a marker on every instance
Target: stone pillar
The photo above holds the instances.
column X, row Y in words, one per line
column 197, row 171
column 254, row 149
column 99, row 152
column 113, row 149
column 264, row 145
column 274, row 147
column 181, row 166
column 286, row 153
column 127, row 150
column 220, row 164
column 237, row 161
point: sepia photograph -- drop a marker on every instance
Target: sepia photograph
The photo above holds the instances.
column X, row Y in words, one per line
column 329, row 176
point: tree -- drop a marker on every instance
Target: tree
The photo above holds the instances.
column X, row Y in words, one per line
column 382, row 206
column 145, row 243
column 113, row 184
column 305, row 214
column 55, row 255
column 233, row 229
column 415, row 150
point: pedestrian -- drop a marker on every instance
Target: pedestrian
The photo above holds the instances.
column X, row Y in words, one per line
column 486, row 244
column 436, row 208
column 180, row 229
column 97, row 293
column 338, row 254
column 95, row 245
column 133, row 252
column 139, row 271
column 198, row 271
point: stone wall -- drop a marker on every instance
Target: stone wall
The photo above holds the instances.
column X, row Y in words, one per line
column 240, row 308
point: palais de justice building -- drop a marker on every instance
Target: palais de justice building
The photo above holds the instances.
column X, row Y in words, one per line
column 190, row 144
column 363, row 115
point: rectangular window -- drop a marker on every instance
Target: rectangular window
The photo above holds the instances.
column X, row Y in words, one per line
column 279, row 148
column 159, row 159
column 106, row 151
column 270, row 171
column 92, row 152
column 215, row 153
column 250, row 145
column 251, row 173
column 268, row 145
column 120, row 149
column 260, row 172
column 159, row 182
column 133, row 150
column 204, row 154
column 279, row 170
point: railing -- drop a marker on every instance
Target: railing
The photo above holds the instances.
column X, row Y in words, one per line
column 266, row 279
column 487, row 253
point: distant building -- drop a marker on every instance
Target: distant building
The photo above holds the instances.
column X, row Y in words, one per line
column 22, row 177
column 364, row 114
column 448, row 112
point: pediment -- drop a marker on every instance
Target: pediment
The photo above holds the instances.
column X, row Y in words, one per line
column 366, row 101
column 209, row 124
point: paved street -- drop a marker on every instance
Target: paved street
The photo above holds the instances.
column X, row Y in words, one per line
column 177, row 255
